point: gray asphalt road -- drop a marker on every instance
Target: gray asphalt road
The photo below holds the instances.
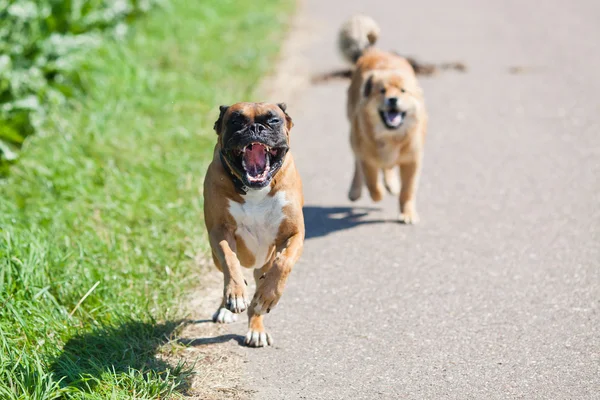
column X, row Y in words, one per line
column 496, row 294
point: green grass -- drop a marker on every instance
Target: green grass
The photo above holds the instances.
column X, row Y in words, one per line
column 43, row 44
column 109, row 199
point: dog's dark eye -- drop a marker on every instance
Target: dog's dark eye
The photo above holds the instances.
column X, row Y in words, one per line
column 237, row 123
column 274, row 121
column 382, row 90
column 403, row 90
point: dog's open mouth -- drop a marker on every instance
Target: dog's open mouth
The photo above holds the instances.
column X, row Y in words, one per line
column 259, row 162
column 392, row 118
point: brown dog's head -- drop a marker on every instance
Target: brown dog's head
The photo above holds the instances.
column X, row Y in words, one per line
column 392, row 100
column 253, row 140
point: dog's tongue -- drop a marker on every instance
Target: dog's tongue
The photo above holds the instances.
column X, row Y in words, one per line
column 255, row 159
column 393, row 117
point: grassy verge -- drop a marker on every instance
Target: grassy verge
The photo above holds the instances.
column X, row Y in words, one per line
column 42, row 46
column 101, row 218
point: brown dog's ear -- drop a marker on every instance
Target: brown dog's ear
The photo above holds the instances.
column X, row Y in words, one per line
column 288, row 120
column 219, row 122
column 368, row 86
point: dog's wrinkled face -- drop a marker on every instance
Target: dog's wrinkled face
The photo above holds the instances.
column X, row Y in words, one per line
column 394, row 101
column 254, row 139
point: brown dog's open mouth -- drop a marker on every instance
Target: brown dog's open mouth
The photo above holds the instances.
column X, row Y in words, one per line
column 392, row 118
column 259, row 162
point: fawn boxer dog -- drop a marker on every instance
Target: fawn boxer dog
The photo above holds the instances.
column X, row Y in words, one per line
column 387, row 115
column 253, row 210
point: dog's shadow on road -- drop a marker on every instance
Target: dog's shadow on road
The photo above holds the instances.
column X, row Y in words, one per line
column 321, row 221
column 211, row 340
column 202, row 334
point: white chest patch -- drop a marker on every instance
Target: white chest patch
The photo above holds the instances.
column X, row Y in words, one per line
column 258, row 221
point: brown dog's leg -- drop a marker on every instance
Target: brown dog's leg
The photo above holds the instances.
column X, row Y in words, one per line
column 409, row 174
column 357, row 183
column 371, row 175
column 257, row 336
column 271, row 281
column 222, row 315
column 391, row 181
column 234, row 292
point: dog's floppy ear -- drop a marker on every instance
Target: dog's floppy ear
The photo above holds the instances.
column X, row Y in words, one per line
column 288, row 120
column 368, row 86
column 219, row 122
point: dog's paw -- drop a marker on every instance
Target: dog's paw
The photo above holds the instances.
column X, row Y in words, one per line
column 409, row 217
column 376, row 193
column 393, row 188
column 224, row 316
column 354, row 193
column 235, row 299
column 258, row 339
column 265, row 300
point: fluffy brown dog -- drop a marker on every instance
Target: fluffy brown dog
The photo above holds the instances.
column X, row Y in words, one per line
column 253, row 210
column 387, row 115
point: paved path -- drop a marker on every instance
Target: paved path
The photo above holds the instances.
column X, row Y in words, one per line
column 495, row 295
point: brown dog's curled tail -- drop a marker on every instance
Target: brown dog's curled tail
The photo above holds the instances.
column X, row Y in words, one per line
column 360, row 33
column 356, row 35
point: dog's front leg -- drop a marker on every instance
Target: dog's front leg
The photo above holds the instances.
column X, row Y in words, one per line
column 270, row 282
column 371, row 175
column 234, row 293
column 409, row 174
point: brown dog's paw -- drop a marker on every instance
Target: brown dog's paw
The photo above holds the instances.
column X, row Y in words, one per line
column 235, row 299
column 258, row 339
column 224, row 316
column 377, row 193
column 392, row 188
column 354, row 193
column 262, row 304
column 409, row 217
column 265, row 299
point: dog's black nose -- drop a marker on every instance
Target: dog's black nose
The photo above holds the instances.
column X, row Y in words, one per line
column 392, row 101
column 257, row 128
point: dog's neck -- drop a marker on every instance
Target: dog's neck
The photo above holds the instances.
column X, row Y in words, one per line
column 237, row 182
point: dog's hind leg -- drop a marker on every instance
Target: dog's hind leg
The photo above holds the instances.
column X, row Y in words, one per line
column 257, row 336
column 357, row 183
column 270, row 282
column 391, row 181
